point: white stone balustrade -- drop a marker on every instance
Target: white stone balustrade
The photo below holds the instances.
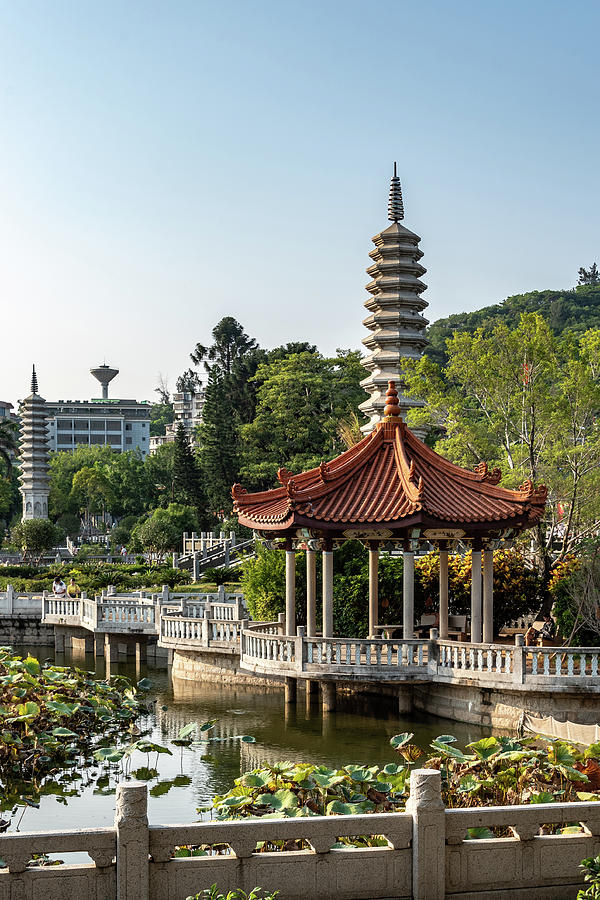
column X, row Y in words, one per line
column 427, row 856
column 189, row 632
column 427, row 660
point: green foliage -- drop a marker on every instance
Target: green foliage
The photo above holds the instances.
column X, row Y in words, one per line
column 92, row 577
column 36, row 536
column 49, row 718
column 575, row 310
column 213, row 893
column 161, row 415
column 300, row 402
column 493, row 771
column 96, row 479
column 163, row 530
column 224, row 575
column 263, row 583
column 575, row 589
column 591, row 868
column 219, row 442
column 526, row 400
column 187, row 480
column 288, row 790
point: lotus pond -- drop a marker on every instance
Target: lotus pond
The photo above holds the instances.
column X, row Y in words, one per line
column 200, row 764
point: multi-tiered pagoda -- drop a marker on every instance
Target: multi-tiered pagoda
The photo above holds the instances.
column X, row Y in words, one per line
column 395, row 321
column 34, row 478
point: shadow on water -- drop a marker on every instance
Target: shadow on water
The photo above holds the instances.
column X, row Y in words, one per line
column 357, row 732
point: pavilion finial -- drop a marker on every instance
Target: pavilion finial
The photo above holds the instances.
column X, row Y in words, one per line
column 395, row 204
column 392, row 408
column 34, row 382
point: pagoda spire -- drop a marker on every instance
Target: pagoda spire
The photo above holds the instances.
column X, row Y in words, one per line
column 34, row 381
column 395, row 204
column 396, row 326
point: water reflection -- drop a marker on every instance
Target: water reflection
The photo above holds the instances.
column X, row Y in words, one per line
column 357, row 732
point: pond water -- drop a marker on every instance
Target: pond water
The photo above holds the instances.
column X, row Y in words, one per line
column 358, row 732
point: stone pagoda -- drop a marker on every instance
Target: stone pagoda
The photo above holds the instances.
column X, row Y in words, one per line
column 33, row 453
column 395, row 306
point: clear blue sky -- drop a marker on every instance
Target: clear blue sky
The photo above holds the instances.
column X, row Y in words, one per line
column 165, row 164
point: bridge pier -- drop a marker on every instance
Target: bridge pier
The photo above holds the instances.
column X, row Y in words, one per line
column 111, row 648
column 59, row 640
column 328, row 696
column 291, row 688
column 82, row 643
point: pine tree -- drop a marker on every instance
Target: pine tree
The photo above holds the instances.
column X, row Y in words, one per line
column 219, row 441
column 589, row 276
column 187, row 479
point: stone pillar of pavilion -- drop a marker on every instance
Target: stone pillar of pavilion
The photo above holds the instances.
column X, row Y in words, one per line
column 488, row 595
column 311, row 593
column 408, row 593
column 328, row 591
column 395, row 321
column 476, row 607
column 290, row 589
column 33, row 454
column 373, row 588
column 443, row 626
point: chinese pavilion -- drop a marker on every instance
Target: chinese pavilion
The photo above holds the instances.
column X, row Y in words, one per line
column 391, row 490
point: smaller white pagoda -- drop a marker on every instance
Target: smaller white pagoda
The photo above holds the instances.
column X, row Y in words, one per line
column 33, row 454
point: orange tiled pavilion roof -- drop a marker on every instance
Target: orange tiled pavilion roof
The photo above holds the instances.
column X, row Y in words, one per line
column 390, row 481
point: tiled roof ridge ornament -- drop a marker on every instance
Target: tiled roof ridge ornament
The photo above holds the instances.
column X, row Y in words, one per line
column 493, row 477
column 392, row 409
column 395, row 204
column 537, row 494
column 284, row 475
column 237, row 492
column 34, row 381
column 323, row 470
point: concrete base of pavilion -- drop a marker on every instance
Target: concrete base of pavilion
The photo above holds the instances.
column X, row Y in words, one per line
column 495, row 707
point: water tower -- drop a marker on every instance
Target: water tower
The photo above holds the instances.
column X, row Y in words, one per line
column 105, row 375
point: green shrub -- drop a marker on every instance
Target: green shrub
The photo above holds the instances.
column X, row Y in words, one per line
column 220, row 576
column 212, row 893
column 591, row 867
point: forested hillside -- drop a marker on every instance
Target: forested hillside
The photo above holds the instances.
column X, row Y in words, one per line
column 576, row 310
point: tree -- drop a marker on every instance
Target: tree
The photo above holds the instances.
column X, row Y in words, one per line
column 91, row 491
column 187, row 479
column 163, row 530
column 189, row 382
column 162, row 389
column 230, row 341
column 301, row 401
column 161, row 415
column 36, row 536
column 527, row 400
column 8, row 443
column 589, row 276
column 158, row 468
column 219, row 443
